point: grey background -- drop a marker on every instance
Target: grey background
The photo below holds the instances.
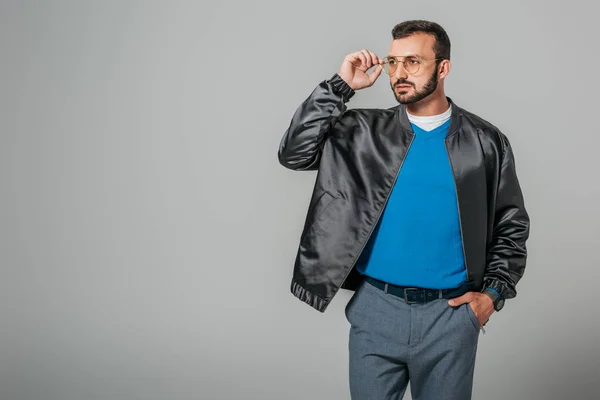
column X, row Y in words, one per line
column 148, row 231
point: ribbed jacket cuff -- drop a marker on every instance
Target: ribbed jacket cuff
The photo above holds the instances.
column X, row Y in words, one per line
column 341, row 87
column 499, row 287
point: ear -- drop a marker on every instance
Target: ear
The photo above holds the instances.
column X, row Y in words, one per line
column 444, row 68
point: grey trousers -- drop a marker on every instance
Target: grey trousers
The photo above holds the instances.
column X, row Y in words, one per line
column 391, row 343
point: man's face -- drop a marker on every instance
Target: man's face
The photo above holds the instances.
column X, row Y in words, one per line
column 412, row 88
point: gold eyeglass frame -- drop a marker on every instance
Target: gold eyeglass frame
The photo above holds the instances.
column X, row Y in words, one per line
column 386, row 61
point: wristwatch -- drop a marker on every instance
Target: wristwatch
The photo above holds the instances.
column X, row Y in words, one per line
column 496, row 298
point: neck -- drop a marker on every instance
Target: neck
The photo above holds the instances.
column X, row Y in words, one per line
column 434, row 104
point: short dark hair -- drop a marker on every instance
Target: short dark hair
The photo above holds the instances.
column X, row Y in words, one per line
column 441, row 47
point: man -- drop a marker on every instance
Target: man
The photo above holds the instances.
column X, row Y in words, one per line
column 417, row 209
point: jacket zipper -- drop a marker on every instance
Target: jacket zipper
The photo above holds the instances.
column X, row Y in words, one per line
column 380, row 212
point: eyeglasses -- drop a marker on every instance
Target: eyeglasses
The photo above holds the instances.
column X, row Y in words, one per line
column 411, row 64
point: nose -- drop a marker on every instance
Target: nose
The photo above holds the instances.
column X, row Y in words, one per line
column 400, row 72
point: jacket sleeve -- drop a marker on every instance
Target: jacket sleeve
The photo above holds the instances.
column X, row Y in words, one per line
column 301, row 145
column 507, row 253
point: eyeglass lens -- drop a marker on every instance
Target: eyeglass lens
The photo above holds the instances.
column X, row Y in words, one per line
column 411, row 64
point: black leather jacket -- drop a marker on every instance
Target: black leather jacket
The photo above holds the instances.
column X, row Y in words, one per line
column 358, row 154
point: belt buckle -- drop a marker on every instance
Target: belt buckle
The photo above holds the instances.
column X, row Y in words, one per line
column 406, row 295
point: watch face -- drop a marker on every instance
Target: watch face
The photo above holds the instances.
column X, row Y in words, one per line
column 499, row 304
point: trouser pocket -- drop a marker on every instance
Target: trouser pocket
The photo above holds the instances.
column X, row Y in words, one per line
column 472, row 316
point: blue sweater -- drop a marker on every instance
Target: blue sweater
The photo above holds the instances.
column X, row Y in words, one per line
column 417, row 241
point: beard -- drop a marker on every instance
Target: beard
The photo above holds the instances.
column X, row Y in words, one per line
column 427, row 89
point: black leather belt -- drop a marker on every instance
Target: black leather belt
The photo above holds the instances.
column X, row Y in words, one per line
column 419, row 295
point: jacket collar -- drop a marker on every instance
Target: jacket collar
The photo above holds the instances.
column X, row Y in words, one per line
column 454, row 118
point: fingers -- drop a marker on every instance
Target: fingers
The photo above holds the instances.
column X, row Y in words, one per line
column 367, row 59
column 469, row 296
column 375, row 74
column 366, row 56
column 355, row 66
column 374, row 59
column 465, row 298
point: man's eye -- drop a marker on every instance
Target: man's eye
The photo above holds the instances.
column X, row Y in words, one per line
column 413, row 61
column 393, row 62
